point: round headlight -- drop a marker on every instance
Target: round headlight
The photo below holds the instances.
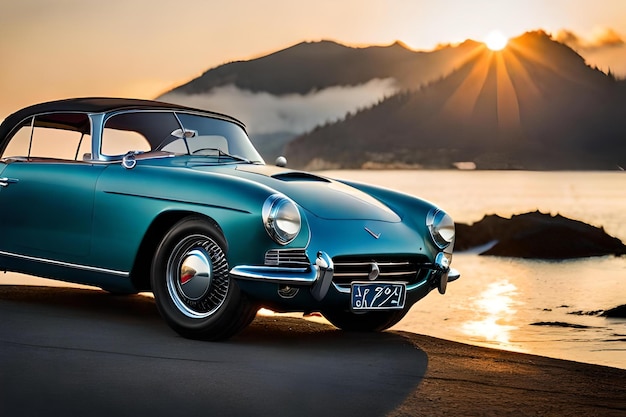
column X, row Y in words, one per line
column 281, row 218
column 441, row 227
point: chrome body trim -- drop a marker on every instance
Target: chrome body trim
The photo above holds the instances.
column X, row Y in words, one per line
column 97, row 123
column 287, row 257
column 129, row 161
column 363, row 269
column 278, row 275
column 453, row 275
column 446, row 274
column 67, row 264
column 325, row 267
column 318, row 276
column 4, row 182
column 374, row 235
column 343, row 290
column 441, row 274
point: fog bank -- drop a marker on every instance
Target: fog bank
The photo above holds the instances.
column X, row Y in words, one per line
column 267, row 113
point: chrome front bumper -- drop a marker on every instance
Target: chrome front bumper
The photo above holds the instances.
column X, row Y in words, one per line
column 446, row 274
column 320, row 275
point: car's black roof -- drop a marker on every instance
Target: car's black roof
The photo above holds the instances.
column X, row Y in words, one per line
column 95, row 105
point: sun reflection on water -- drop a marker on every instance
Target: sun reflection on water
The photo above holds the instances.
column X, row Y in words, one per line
column 494, row 311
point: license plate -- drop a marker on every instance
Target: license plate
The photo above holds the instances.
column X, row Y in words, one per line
column 378, row 296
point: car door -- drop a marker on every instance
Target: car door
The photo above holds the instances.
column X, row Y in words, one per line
column 47, row 209
column 47, row 194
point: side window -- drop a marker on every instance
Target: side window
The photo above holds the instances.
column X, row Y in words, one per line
column 52, row 136
column 137, row 131
column 20, row 142
column 118, row 142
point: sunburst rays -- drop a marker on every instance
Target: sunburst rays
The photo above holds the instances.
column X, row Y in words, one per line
column 500, row 80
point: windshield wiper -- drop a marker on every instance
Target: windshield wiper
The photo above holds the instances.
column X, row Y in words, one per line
column 221, row 153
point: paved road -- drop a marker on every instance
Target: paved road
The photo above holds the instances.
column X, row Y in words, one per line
column 69, row 351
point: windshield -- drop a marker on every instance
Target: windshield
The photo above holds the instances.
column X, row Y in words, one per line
column 211, row 137
column 177, row 133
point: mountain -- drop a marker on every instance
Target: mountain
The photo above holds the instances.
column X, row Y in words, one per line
column 314, row 66
column 533, row 105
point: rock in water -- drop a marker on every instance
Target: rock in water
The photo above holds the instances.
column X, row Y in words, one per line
column 617, row 312
column 537, row 235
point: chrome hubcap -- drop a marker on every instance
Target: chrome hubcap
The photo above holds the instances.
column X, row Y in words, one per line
column 194, row 277
column 197, row 276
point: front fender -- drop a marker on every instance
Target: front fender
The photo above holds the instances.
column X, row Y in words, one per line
column 146, row 192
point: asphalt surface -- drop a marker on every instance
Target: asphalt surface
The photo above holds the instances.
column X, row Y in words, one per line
column 69, row 351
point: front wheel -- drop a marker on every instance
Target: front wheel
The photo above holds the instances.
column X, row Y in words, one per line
column 371, row 321
column 191, row 283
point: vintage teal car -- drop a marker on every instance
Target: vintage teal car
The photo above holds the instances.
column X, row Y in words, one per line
column 137, row 195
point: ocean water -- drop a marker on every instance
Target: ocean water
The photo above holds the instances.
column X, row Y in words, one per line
column 498, row 302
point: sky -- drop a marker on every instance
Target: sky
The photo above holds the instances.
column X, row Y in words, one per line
column 54, row 49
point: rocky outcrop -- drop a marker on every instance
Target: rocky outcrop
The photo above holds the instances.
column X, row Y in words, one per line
column 536, row 235
column 617, row 312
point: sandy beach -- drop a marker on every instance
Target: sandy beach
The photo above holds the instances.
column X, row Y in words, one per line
column 74, row 350
column 474, row 381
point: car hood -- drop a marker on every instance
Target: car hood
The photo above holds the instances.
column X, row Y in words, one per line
column 323, row 197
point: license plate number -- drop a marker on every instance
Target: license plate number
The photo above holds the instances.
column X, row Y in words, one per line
column 377, row 296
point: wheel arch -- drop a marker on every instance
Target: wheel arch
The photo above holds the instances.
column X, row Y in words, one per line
column 140, row 272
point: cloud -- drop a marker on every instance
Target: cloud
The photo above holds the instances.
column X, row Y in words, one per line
column 607, row 37
column 569, row 38
column 604, row 49
column 600, row 38
column 266, row 113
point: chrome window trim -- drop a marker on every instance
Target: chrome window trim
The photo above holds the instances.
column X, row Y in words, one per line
column 97, row 120
column 100, row 120
column 67, row 264
column 103, row 118
column 17, row 126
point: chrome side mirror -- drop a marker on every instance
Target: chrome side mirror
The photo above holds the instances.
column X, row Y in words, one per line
column 186, row 134
column 281, row 161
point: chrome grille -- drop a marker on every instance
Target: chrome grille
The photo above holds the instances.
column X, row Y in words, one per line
column 287, row 258
column 348, row 269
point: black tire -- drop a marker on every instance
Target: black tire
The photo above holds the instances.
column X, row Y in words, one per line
column 370, row 321
column 205, row 302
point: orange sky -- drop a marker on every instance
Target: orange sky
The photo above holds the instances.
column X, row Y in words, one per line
column 139, row 48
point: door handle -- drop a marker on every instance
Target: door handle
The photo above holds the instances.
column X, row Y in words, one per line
column 4, row 182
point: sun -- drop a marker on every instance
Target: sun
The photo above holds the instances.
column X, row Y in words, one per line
column 495, row 40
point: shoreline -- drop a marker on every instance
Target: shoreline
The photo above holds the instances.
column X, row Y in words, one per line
column 469, row 380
